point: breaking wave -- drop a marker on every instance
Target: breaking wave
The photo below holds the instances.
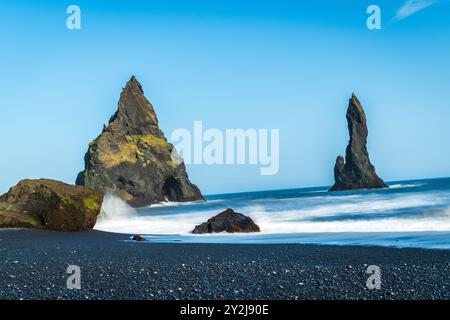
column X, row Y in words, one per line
column 290, row 214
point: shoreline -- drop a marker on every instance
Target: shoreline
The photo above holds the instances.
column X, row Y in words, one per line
column 430, row 240
column 34, row 263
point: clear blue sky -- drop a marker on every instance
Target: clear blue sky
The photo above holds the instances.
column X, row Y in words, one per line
column 290, row 65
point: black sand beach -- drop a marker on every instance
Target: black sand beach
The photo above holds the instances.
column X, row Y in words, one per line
column 33, row 266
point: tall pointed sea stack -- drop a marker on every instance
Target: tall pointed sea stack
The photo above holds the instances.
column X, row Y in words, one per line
column 132, row 159
column 356, row 171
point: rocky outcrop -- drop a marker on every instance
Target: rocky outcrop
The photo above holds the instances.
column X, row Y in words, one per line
column 51, row 205
column 356, row 171
column 227, row 221
column 138, row 238
column 132, row 159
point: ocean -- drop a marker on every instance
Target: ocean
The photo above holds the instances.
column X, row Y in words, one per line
column 408, row 214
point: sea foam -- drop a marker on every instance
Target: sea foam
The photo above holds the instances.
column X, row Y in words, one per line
column 417, row 209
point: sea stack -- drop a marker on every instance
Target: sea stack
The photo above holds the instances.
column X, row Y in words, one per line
column 133, row 160
column 356, row 171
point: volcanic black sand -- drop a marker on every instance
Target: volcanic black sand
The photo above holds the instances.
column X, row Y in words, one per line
column 33, row 266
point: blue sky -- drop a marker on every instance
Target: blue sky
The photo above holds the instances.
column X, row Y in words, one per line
column 290, row 65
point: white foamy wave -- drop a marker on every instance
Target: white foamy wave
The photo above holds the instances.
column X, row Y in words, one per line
column 379, row 212
column 272, row 223
column 399, row 186
column 173, row 204
column 118, row 216
column 114, row 208
column 380, row 225
column 357, row 206
column 184, row 224
column 167, row 204
column 163, row 225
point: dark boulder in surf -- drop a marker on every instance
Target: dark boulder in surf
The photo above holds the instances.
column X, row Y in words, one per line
column 138, row 238
column 227, row 221
column 356, row 170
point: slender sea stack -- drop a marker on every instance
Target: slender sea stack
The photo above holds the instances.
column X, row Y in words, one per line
column 132, row 159
column 356, row 171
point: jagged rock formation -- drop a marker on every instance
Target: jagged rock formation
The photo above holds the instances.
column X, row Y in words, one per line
column 356, row 171
column 51, row 205
column 227, row 221
column 132, row 159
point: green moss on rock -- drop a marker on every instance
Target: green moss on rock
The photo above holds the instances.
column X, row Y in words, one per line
column 93, row 203
column 12, row 219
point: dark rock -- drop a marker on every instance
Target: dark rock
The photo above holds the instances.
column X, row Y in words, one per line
column 356, row 171
column 51, row 205
column 227, row 221
column 138, row 238
column 10, row 217
column 132, row 159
